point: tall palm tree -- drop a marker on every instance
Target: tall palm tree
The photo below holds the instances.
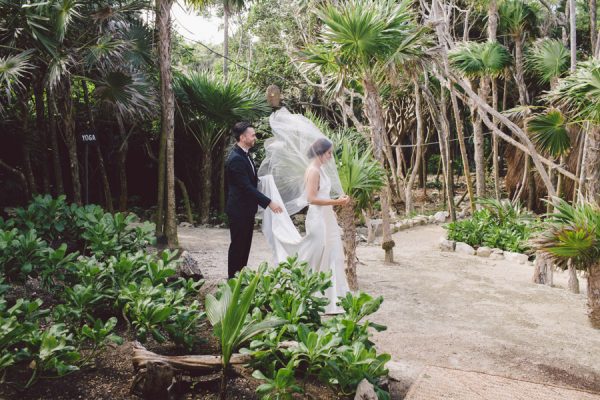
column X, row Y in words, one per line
column 360, row 42
column 207, row 107
column 572, row 234
column 480, row 61
column 577, row 95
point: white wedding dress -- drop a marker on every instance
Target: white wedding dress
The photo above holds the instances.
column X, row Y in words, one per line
column 322, row 245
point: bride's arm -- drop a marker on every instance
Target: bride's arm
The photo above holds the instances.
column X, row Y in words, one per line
column 312, row 187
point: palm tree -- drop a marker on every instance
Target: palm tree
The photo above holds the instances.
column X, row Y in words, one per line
column 482, row 61
column 576, row 94
column 361, row 40
column 517, row 19
column 207, row 107
column 548, row 60
column 572, row 234
column 361, row 176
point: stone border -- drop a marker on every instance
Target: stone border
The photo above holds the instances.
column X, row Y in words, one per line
column 483, row 251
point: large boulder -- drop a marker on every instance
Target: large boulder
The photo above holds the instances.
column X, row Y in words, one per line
column 464, row 248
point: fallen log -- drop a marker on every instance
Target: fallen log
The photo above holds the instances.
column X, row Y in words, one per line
column 157, row 376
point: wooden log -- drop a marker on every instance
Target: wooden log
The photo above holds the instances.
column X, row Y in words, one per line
column 188, row 365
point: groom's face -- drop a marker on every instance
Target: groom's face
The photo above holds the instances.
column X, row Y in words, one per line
column 248, row 138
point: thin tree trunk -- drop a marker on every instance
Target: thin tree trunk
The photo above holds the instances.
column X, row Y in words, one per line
column 542, row 269
column 593, row 288
column 463, row 147
column 349, row 239
column 40, row 116
column 444, row 136
column 591, row 183
column 520, row 72
column 52, row 121
column 573, row 281
column 205, row 187
column 226, row 12
column 122, row 165
column 101, row 166
column 374, row 113
column 186, row 200
column 573, row 33
column 495, row 151
column 415, row 168
column 26, row 144
column 478, row 144
column 68, row 117
column 593, row 26
column 531, row 187
column 163, row 21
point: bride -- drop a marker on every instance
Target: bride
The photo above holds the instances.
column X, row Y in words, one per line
column 298, row 171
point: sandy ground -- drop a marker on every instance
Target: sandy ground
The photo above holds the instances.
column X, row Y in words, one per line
column 457, row 311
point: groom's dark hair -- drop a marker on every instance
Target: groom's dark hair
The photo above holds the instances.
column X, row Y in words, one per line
column 239, row 128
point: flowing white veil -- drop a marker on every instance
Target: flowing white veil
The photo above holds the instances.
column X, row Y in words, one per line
column 287, row 158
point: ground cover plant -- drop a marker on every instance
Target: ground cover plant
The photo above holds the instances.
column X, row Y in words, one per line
column 498, row 224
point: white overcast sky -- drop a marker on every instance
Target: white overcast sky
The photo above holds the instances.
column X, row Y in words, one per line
column 193, row 26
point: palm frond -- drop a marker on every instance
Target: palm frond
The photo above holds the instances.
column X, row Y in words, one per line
column 131, row 94
column 547, row 59
column 516, row 17
column 549, row 132
column 476, row 60
column 13, row 68
column 578, row 92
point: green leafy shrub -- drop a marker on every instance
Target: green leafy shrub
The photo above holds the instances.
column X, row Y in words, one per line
column 498, row 225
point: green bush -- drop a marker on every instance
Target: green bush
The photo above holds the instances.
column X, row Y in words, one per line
column 337, row 351
column 498, row 225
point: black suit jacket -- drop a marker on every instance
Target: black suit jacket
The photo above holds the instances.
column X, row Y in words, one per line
column 243, row 196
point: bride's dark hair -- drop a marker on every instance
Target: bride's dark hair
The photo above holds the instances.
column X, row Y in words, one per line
column 319, row 147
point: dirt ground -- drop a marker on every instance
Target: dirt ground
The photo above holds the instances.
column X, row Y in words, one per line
column 457, row 311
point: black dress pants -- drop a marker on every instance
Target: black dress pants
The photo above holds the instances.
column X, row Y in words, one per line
column 241, row 229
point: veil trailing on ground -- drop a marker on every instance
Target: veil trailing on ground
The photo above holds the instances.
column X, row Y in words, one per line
column 287, row 158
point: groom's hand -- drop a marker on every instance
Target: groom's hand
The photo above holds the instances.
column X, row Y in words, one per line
column 275, row 207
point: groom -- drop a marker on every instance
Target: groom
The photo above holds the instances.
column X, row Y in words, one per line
column 243, row 198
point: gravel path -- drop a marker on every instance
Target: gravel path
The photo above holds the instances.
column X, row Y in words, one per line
column 456, row 311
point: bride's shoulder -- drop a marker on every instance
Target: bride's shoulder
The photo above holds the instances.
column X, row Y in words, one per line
column 312, row 170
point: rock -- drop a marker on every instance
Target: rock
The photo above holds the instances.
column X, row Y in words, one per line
column 464, row 248
column 188, row 267
column 441, row 216
column 402, row 227
column 365, row 391
column 517, row 257
column 401, row 377
column 185, row 225
column 484, row 251
column 497, row 254
column 447, row 245
column 431, row 219
column 461, row 215
column 377, row 226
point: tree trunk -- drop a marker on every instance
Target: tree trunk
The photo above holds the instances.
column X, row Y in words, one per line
column 222, row 157
column 520, row 71
column 593, row 26
column 163, row 21
column 573, row 280
column 26, row 144
column 122, row 165
column 592, row 165
column 205, row 187
column 593, row 288
column 101, row 166
column 495, row 152
column 68, row 116
column 531, row 188
column 374, row 113
column 346, row 214
column 492, row 22
column 542, row 273
column 478, row 143
column 444, row 138
column 573, row 33
column 52, row 121
column 186, row 200
column 226, row 13
column 40, row 116
column 419, row 150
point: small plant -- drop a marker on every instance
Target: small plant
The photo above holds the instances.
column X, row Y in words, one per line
column 281, row 387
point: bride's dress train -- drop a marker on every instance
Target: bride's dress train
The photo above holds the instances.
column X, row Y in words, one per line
column 322, row 245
